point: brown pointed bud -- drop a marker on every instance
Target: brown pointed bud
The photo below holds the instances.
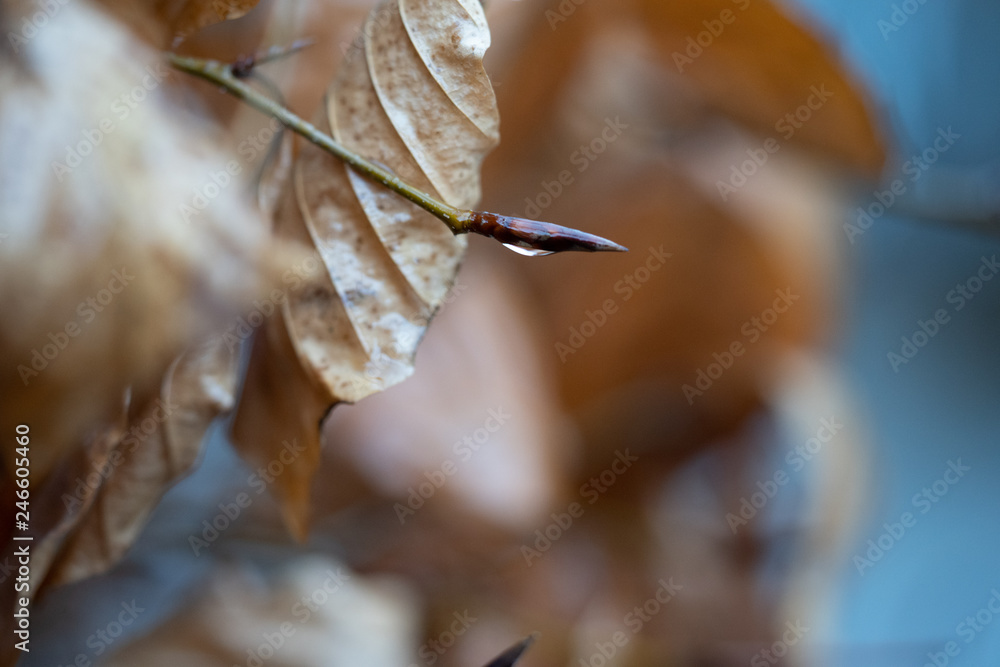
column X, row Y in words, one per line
column 513, row 654
column 541, row 237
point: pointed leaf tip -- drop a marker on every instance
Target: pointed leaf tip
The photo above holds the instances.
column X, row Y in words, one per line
column 542, row 236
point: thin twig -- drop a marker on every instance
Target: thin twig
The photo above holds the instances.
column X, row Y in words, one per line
column 244, row 65
column 541, row 236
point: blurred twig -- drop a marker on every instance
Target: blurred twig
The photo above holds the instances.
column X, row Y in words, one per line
column 245, row 64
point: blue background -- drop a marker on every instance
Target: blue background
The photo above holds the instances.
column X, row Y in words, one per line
column 941, row 68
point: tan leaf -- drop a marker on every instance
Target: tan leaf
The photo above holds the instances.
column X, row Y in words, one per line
column 416, row 99
column 281, row 403
column 160, row 445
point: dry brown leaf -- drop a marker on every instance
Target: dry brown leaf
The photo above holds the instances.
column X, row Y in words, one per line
column 162, row 443
column 416, row 99
column 96, row 502
column 761, row 66
column 754, row 63
column 531, row 65
column 726, row 261
column 694, row 276
column 281, row 405
column 78, row 473
column 111, row 267
column 164, row 23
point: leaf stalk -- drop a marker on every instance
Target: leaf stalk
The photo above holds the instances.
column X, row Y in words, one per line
column 514, row 231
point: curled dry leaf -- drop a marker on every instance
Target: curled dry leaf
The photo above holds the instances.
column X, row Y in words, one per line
column 416, row 99
column 159, row 445
column 98, row 499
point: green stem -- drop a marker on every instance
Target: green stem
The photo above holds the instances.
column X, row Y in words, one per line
column 222, row 75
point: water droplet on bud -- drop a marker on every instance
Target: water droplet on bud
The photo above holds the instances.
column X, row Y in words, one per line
column 527, row 252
